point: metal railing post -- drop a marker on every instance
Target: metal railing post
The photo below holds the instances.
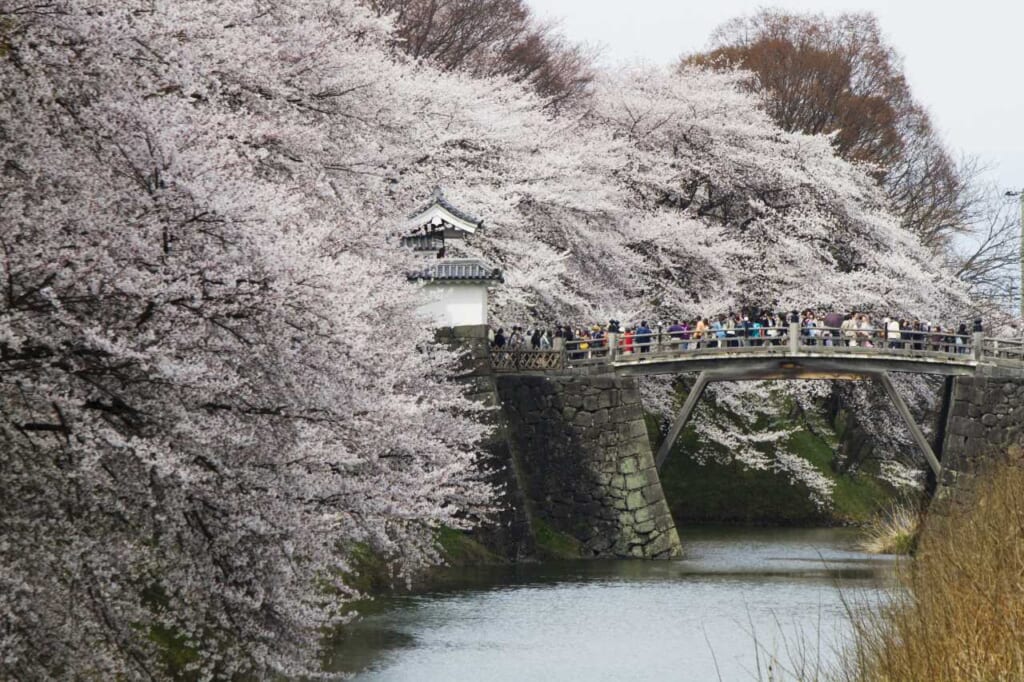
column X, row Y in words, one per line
column 794, row 337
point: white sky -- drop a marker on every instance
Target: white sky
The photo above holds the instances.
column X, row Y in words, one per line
column 965, row 60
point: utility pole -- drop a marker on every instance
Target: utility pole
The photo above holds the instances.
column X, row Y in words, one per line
column 1020, row 197
column 1020, row 285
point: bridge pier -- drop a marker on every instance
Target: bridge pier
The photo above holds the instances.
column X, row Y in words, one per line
column 586, row 465
column 985, row 425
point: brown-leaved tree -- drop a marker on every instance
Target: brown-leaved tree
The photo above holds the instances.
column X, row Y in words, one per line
column 838, row 76
column 492, row 38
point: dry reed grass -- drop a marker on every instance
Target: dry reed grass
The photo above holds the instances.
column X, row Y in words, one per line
column 894, row 531
column 959, row 616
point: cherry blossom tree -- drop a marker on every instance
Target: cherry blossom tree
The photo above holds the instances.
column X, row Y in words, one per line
column 676, row 195
column 214, row 383
column 709, row 207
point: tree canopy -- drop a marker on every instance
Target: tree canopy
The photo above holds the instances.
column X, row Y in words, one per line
column 214, row 384
column 838, row 76
column 492, row 38
column 198, row 332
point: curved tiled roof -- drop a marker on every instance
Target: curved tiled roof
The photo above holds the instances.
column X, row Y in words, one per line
column 438, row 198
column 424, row 242
column 462, row 270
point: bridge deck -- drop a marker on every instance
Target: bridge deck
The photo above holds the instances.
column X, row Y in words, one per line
column 785, row 354
column 790, row 355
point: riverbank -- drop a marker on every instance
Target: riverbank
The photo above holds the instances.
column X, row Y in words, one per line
column 959, row 613
column 700, row 494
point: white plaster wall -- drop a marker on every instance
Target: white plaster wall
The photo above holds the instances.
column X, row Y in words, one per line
column 453, row 305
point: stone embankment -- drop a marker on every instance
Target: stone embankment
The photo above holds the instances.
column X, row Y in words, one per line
column 986, row 421
column 586, row 464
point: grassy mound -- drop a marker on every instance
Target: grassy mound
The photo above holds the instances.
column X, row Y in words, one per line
column 715, row 492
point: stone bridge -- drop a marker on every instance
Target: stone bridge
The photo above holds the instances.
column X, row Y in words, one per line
column 577, row 444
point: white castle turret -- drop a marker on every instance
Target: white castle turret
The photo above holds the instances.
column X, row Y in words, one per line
column 458, row 287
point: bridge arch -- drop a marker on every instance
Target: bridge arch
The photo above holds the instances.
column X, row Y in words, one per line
column 707, row 377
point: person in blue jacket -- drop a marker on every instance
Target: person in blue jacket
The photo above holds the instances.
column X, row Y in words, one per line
column 718, row 327
column 642, row 337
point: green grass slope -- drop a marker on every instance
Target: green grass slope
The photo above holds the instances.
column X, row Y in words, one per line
column 715, row 492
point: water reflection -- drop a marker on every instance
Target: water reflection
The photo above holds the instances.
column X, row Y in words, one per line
column 738, row 598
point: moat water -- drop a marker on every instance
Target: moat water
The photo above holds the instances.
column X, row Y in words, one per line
column 739, row 602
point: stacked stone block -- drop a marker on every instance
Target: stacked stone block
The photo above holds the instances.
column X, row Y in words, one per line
column 986, row 423
column 586, row 463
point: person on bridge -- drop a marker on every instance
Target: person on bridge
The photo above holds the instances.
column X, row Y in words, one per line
column 918, row 334
column 643, row 337
column 810, row 328
column 865, row 332
column 675, row 332
column 581, row 345
column 569, row 339
column 516, row 341
column 612, row 334
column 687, row 334
column 776, row 324
column 745, row 330
column 597, row 338
column 892, row 332
column 729, row 325
column 718, row 329
column 700, row 331
column 627, row 340
column 848, row 330
column 961, row 338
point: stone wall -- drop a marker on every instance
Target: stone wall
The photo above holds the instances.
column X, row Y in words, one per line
column 585, row 462
column 508, row 532
column 986, row 422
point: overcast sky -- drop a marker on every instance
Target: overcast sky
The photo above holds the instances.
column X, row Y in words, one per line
column 965, row 60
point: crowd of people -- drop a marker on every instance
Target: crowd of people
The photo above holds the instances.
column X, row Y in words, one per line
column 743, row 329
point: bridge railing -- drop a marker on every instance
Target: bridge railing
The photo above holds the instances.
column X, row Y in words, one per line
column 1003, row 350
column 763, row 340
column 518, row 360
column 798, row 339
column 946, row 346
